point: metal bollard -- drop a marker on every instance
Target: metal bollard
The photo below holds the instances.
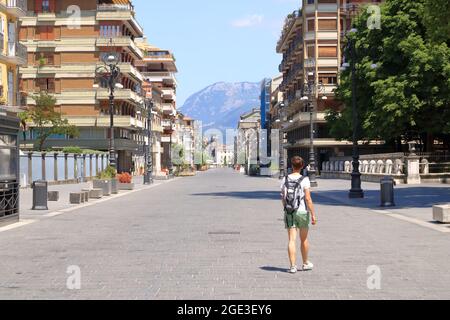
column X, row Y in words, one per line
column 387, row 192
column 40, row 195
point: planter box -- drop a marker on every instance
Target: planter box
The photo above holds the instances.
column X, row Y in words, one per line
column 53, row 196
column 105, row 185
column 76, row 198
column 126, row 186
column 94, row 193
column 441, row 213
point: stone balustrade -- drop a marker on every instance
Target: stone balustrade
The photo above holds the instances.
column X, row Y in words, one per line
column 404, row 169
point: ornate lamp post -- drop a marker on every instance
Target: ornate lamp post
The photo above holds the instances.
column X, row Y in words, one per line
column 312, row 90
column 172, row 121
column 148, row 176
column 356, row 191
column 108, row 75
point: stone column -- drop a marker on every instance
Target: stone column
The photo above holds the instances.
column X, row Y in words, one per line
column 75, row 166
column 44, row 174
column 30, row 168
column 90, row 165
column 102, row 164
column 83, row 173
column 66, row 166
column 55, row 166
column 96, row 163
column 413, row 169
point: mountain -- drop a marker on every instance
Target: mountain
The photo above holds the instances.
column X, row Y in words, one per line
column 219, row 105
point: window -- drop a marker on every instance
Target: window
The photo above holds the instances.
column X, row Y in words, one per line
column 311, row 52
column 45, row 5
column 328, row 79
column 327, row 24
column 46, row 84
column 311, row 25
column 328, row 52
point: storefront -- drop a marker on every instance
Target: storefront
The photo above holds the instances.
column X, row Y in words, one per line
column 9, row 170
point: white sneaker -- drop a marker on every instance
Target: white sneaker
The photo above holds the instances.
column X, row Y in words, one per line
column 308, row 267
column 293, row 270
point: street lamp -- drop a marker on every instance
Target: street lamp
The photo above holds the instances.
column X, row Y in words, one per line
column 172, row 118
column 148, row 176
column 356, row 191
column 311, row 91
column 108, row 75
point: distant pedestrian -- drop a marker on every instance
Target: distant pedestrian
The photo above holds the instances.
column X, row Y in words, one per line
column 298, row 213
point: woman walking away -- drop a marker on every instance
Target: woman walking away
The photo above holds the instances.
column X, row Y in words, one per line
column 298, row 213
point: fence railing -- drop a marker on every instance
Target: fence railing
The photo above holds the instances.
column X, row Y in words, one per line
column 60, row 167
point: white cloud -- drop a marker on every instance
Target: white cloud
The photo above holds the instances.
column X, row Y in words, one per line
column 249, row 21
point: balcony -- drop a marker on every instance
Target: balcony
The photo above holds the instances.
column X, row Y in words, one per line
column 120, row 41
column 127, row 122
column 123, row 12
column 128, row 69
column 121, row 94
column 17, row 8
column 166, row 77
column 168, row 108
column 16, row 53
column 288, row 24
column 168, row 94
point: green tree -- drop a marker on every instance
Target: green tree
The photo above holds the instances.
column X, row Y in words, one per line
column 437, row 20
column 24, row 117
column 47, row 121
column 407, row 94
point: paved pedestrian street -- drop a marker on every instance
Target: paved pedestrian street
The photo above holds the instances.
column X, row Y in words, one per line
column 220, row 235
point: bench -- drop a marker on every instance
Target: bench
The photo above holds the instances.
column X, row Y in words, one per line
column 86, row 196
column 77, row 197
column 441, row 213
column 95, row 193
column 53, row 195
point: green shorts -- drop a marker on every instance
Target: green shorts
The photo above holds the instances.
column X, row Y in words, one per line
column 299, row 220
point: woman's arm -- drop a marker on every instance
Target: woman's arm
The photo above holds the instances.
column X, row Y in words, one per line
column 310, row 206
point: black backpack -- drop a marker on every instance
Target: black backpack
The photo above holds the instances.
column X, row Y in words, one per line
column 293, row 196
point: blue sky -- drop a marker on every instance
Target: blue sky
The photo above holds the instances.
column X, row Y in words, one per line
column 216, row 40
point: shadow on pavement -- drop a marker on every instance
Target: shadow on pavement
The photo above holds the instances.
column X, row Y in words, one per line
column 258, row 195
column 274, row 269
column 405, row 197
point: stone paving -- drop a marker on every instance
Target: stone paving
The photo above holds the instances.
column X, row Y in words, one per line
column 220, row 235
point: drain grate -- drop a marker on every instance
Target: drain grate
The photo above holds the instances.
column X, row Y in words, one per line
column 224, row 233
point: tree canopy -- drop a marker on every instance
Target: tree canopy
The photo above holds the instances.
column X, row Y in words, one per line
column 406, row 95
column 46, row 121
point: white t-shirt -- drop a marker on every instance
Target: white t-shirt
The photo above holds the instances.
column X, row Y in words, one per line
column 305, row 185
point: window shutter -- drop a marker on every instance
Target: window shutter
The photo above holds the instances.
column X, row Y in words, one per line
column 328, row 52
column 38, row 6
column 327, row 24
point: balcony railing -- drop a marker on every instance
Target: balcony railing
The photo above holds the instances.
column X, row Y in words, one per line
column 2, row 43
column 17, row 50
column 114, row 7
column 21, row 4
column 289, row 22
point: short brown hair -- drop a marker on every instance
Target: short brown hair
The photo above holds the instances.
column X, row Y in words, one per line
column 297, row 163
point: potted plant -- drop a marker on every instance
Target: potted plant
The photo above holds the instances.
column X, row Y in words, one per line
column 125, row 181
column 107, row 181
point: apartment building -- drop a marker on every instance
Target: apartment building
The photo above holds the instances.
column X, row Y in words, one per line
column 159, row 68
column 66, row 41
column 12, row 53
column 153, row 96
column 186, row 136
column 312, row 51
column 246, row 147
